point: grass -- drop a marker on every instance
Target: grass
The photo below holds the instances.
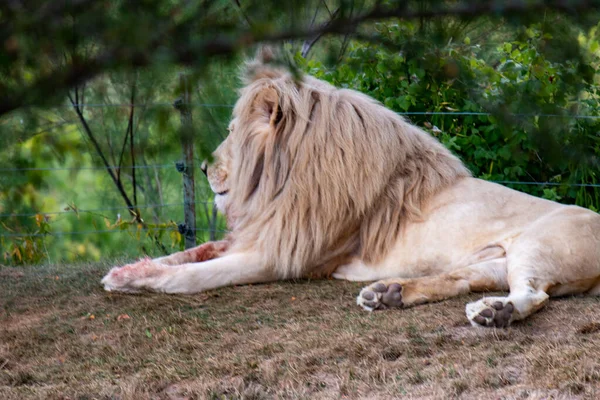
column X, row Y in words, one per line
column 63, row 337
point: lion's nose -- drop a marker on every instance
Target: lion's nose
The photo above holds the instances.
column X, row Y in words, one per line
column 203, row 167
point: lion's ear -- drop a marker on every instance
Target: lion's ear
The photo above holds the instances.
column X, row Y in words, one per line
column 265, row 54
column 266, row 106
column 262, row 66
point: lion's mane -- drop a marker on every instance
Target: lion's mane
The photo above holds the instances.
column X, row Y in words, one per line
column 321, row 174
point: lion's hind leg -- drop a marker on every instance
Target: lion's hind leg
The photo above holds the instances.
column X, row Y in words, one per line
column 484, row 276
column 527, row 291
column 558, row 255
column 500, row 312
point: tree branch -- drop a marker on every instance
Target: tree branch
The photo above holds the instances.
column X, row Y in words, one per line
column 239, row 5
column 122, row 154
column 130, row 206
column 92, row 138
column 191, row 53
column 131, row 143
column 308, row 44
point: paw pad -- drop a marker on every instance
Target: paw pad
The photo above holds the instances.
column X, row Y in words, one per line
column 499, row 315
column 380, row 296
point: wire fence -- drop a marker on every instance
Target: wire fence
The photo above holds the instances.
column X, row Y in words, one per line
column 98, row 168
column 76, row 211
column 448, row 113
column 70, row 210
column 93, row 232
column 146, row 206
column 591, row 185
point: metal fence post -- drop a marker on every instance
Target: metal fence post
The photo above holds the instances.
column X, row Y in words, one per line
column 186, row 167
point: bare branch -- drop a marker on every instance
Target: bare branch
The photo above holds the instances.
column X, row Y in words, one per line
column 131, row 143
column 125, row 139
column 239, row 5
column 308, row 44
column 327, row 8
column 92, row 138
column 344, row 46
column 314, row 18
column 130, row 206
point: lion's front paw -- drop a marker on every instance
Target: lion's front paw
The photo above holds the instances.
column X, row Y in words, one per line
column 116, row 281
column 109, row 282
column 491, row 312
column 380, row 296
column 130, row 278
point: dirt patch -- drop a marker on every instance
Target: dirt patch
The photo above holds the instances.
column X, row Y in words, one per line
column 66, row 338
column 20, row 322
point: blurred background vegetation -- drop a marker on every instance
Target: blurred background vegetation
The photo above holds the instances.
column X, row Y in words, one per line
column 89, row 137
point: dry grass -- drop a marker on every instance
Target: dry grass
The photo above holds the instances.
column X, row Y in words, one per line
column 62, row 337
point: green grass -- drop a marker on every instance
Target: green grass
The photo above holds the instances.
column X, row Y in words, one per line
column 62, row 336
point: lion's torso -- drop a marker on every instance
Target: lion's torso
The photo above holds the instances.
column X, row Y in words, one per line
column 469, row 222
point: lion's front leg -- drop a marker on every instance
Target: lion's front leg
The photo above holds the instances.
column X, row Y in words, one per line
column 204, row 252
column 147, row 267
column 231, row 269
column 393, row 293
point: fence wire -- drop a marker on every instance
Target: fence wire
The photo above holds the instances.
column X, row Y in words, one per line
column 593, row 185
column 93, row 168
column 207, row 202
column 83, row 211
column 173, row 164
column 94, row 210
column 20, row 235
column 210, row 105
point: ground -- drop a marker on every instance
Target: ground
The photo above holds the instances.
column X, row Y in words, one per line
column 63, row 337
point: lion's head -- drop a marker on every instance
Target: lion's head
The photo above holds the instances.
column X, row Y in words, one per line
column 310, row 173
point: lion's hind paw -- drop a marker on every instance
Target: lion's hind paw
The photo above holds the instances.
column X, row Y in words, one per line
column 494, row 312
column 380, row 296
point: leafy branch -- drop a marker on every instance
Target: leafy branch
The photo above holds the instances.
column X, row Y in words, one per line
column 182, row 45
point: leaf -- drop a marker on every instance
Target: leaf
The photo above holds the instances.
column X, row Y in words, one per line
column 17, row 252
column 39, row 218
column 123, row 317
column 148, row 333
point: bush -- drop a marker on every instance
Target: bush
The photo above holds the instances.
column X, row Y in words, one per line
column 506, row 110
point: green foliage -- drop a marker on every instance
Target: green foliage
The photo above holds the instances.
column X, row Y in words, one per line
column 28, row 249
column 64, row 143
column 524, row 104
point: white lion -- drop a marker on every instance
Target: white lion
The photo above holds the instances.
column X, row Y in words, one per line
column 316, row 180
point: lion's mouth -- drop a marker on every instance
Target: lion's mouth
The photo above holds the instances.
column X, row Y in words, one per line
column 223, row 193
